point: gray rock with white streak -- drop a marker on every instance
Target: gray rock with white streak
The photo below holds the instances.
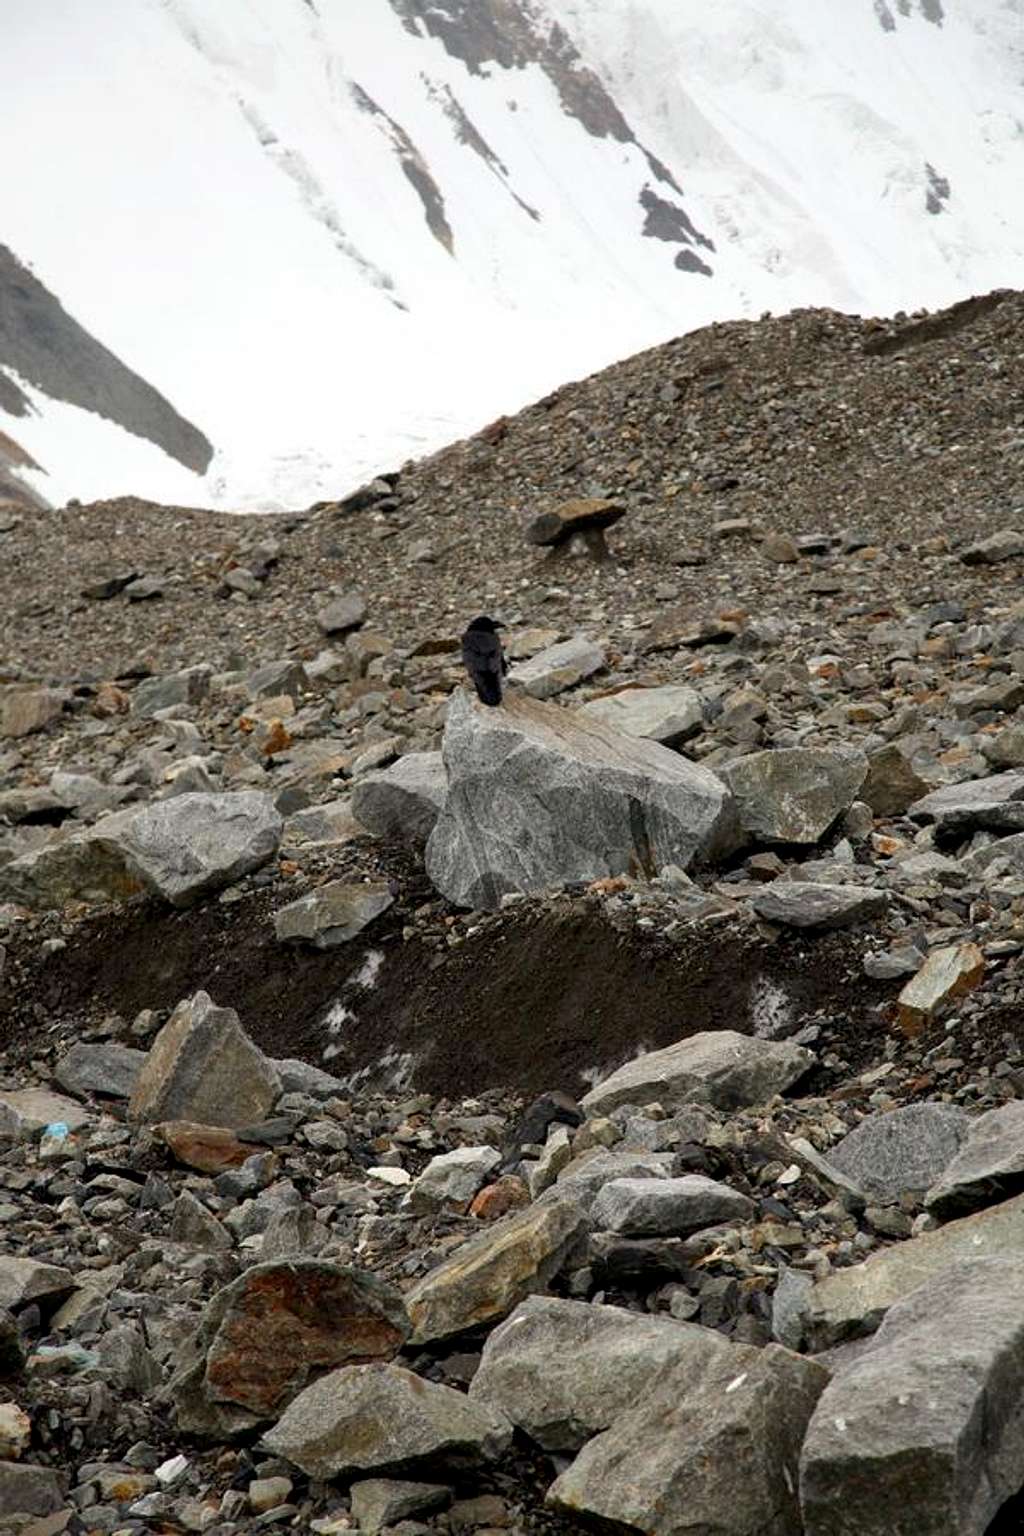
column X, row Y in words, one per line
column 923, row 1432
column 538, row 798
column 712, row 1447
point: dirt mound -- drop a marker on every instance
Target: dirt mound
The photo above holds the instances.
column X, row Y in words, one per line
column 542, row 998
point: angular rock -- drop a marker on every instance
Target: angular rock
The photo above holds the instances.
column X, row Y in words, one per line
column 667, row 1207
column 276, row 678
column 300, row 1077
column 562, row 1371
column 891, row 786
column 24, row 1112
column 207, row 1148
column 716, row 1067
column 583, row 1179
column 194, row 1225
column 15, row 1432
column 578, row 802
column 203, row 1067
column 806, row 904
column 1006, row 853
column 852, row 1302
column 452, row 1179
column 26, row 710
column 901, row 1151
column 669, row 715
column 267, row 1335
column 333, row 913
column 558, row 668
column 89, row 866
column 156, row 693
column 187, row 846
column 381, row 1418
column 995, row 804
column 404, row 800
column 988, row 1167
column 26, row 1280
column 1006, row 544
column 28, row 1490
column 332, row 822
column 927, row 1421
column 342, row 614
column 789, row 1307
column 794, row 795
column 105, row 1068
column 379, row 1502
column 713, row 1446
column 947, row 974
column 584, row 515
column 496, row 1270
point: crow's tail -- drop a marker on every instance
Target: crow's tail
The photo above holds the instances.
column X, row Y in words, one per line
column 488, row 689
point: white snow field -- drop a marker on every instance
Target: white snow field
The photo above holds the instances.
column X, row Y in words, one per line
column 337, row 234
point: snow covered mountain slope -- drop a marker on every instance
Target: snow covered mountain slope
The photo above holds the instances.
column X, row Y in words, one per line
column 338, row 233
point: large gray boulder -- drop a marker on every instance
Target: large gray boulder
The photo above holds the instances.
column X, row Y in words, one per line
column 539, row 798
column 404, row 800
column 562, row 1371
column 717, row 1067
column 190, row 845
column 793, row 795
column 712, row 1447
column 669, row 715
column 986, row 1168
column 927, row 1421
column 382, row 1418
column 901, row 1151
column 852, row 1302
column 204, row 1068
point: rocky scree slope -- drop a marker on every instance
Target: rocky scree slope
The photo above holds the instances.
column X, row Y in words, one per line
column 249, row 1289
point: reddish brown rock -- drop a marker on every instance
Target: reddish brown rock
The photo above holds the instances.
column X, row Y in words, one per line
column 498, row 1199
column 208, row 1148
column 278, row 1326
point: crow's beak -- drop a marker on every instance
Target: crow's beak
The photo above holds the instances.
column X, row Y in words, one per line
column 499, row 625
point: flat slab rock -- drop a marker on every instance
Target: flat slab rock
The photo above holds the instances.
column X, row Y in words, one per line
column 670, row 715
column 988, row 1166
column 382, row 1418
column 927, row 1420
column 104, row 1068
column 538, row 798
column 793, row 795
column 187, row 846
column 806, row 904
column 563, row 1371
column 667, row 1207
column 852, row 1302
column 332, row 914
column 25, row 1280
column 495, row 1270
column 995, row 804
column 901, row 1151
column 24, row 1112
column 717, row 1067
column 558, row 667
column 713, row 1446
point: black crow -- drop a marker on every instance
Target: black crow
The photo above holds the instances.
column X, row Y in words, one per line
column 484, row 658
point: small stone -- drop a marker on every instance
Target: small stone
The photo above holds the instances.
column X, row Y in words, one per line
column 26, row 1280
column 452, row 1179
column 780, row 549
column 379, row 1502
column 207, row 1148
column 342, row 614
column 561, row 667
column 15, row 1432
column 988, row 1165
column 269, row 1493
column 1007, row 544
column 25, row 711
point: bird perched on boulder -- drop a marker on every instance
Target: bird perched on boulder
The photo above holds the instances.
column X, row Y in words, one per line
column 484, row 658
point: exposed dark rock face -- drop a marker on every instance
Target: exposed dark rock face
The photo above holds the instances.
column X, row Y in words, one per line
column 41, row 342
column 415, row 168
